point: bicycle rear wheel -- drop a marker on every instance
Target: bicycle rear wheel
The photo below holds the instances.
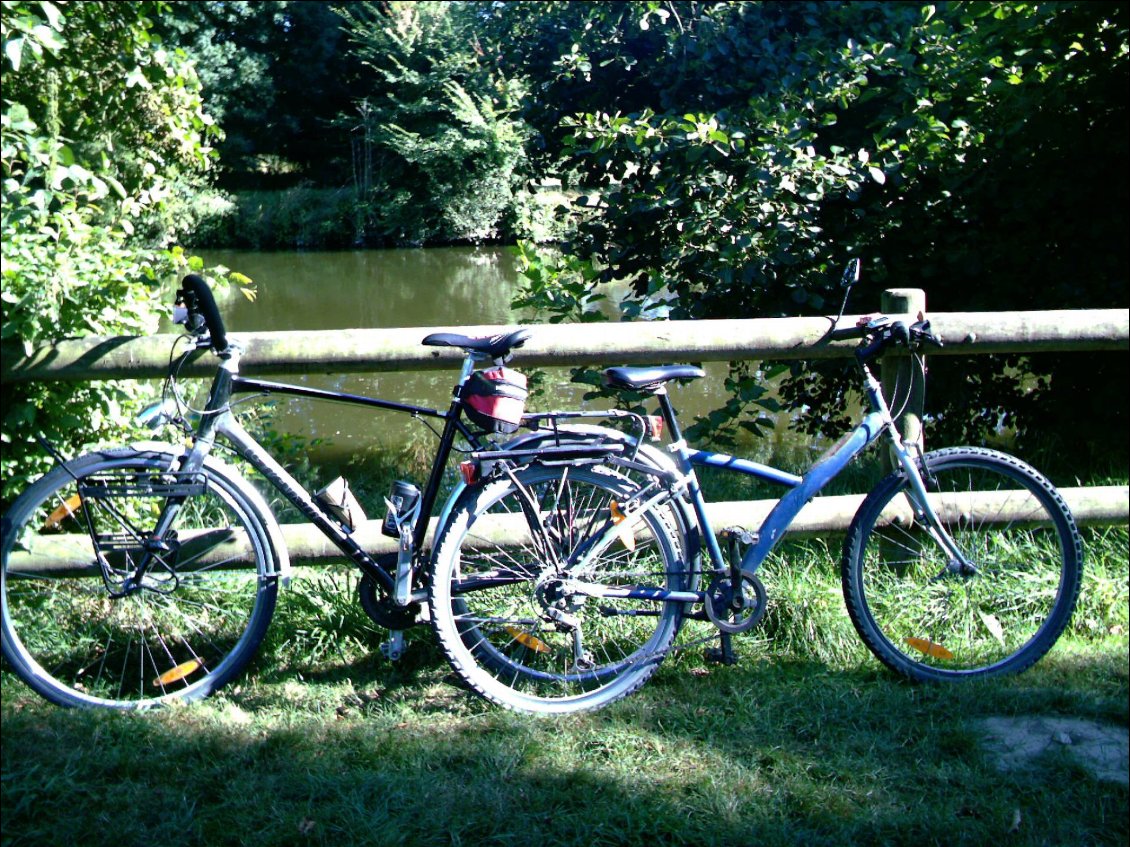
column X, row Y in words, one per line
column 998, row 607
column 82, row 629
column 507, row 602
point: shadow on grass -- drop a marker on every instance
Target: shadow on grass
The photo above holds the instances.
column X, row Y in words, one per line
column 767, row 752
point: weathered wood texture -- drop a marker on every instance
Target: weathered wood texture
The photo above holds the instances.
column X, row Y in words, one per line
column 361, row 350
column 1100, row 505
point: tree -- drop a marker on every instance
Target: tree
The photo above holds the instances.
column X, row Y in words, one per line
column 442, row 156
column 275, row 75
column 938, row 142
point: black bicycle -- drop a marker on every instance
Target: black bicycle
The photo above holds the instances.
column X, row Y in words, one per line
column 140, row 575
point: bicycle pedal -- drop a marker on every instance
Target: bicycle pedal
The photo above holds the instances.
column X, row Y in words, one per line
column 720, row 656
column 393, row 649
column 740, row 534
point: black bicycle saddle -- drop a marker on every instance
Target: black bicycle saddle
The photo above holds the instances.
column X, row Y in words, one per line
column 495, row 346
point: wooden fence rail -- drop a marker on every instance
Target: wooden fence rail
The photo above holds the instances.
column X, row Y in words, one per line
column 373, row 350
column 64, row 555
column 370, row 350
column 1094, row 506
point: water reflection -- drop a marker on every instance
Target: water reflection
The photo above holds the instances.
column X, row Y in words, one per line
column 453, row 286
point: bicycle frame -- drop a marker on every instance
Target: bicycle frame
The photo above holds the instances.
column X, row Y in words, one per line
column 803, row 489
column 218, row 421
column 777, row 522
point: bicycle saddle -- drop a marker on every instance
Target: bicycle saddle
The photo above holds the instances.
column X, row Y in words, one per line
column 495, row 346
column 649, row 379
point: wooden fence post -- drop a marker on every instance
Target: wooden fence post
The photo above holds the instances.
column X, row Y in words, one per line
column 901, row 371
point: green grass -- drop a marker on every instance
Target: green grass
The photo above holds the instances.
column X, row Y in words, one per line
column 806, row 741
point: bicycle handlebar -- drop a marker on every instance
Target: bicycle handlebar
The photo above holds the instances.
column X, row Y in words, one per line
column 199, row 302
column 881, row 333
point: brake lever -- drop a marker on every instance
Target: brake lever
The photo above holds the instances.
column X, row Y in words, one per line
column 920, row 332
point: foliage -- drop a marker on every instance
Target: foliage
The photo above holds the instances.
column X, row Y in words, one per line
column 437, row 135
column 978, row 150
column 305, row 217
column 104, row 137
column 275, row 74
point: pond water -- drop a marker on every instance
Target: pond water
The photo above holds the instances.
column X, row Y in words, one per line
column 392, row 288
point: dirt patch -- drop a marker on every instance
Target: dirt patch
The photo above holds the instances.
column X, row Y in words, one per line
column 1102, row 749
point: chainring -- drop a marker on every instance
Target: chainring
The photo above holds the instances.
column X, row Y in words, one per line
column 382, row 610
column 720, row 610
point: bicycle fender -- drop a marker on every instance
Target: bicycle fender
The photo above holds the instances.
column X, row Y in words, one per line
column 584, row 432
column 579, row 432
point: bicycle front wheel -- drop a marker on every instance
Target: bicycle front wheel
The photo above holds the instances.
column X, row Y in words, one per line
column 997, row 602
column 514, row 586
column 126, row 584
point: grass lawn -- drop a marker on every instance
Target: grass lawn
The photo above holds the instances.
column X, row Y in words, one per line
column 808, row 740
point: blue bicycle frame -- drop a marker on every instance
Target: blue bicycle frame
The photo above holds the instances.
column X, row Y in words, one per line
column 803, row 489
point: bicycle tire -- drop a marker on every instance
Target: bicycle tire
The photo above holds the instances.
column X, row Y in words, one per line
column 500, row 637
column 188, row 628
column 924, row 614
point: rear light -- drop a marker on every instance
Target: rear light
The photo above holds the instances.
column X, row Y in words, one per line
column 470, row 472
column 654, row 426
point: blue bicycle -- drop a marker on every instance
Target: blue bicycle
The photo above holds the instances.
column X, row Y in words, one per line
column 560, row 586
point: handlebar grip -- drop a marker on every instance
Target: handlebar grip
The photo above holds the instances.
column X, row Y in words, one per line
column 851, row 332
column 206, row 304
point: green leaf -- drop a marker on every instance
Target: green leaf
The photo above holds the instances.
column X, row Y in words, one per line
column 13, row 50
column 54, row 16
column 877, row 175
column 119, row 189
column 47, row 37
column 20, row 120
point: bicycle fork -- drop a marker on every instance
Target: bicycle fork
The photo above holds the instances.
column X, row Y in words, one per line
column 924, row 513
column 908, row 457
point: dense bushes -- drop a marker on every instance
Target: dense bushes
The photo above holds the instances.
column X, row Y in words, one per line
column 733, row 156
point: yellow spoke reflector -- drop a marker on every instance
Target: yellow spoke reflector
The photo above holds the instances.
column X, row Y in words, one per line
column 624, row 532
column 526, row 640
column 69, row 506
column 178, row 673
column 924, row 645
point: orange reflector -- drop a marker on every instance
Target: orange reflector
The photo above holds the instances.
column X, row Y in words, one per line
column 71, row 505
column 929, row 648
column 624, row 533
column 178, row 673
column 470, row 472
column 526, row 640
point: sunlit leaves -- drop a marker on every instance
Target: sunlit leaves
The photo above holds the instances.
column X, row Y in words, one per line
column 100, row 144
column 769, row 142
